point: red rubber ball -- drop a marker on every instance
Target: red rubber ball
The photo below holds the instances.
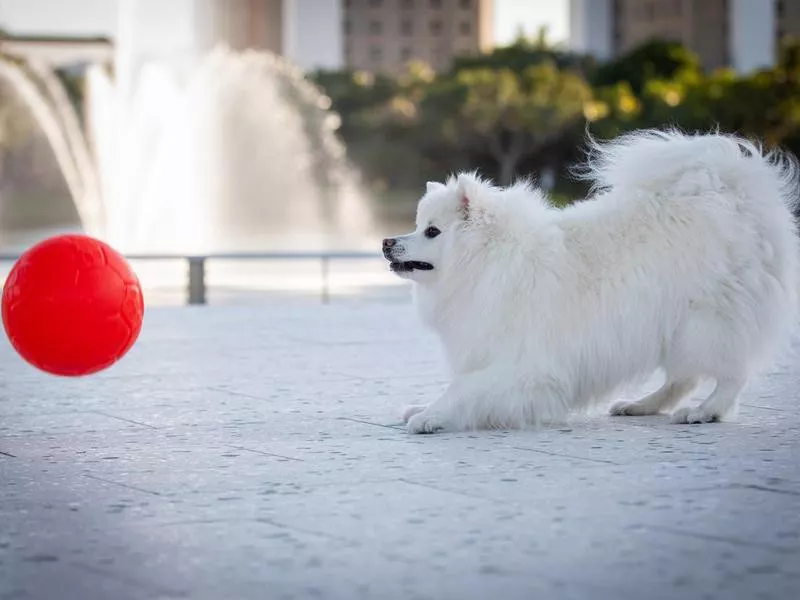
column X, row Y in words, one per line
column 72, row 306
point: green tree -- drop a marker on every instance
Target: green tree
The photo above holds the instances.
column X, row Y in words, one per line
column 523, row 107
column 353, row 94
column 613, row 110
column 359, row 97
column 507, row 115
column 524, row 53
column 656, row 59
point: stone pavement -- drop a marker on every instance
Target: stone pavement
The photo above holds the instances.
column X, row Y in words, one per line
column 242, row 453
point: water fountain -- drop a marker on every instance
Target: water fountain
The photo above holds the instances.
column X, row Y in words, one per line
column 227, row 151
column 239, row 152
column 43, row 93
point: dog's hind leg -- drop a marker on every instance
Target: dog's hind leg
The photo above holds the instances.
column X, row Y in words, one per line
column 663, row 399
column 722, row 403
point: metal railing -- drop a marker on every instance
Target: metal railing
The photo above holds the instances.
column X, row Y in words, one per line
column 196, row 287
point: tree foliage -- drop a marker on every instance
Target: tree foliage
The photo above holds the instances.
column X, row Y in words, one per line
column 508, row 115
column 524, row 108
column 656, row 59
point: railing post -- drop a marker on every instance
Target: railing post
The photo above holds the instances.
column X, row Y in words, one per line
column 197, row 280
column 325, row 265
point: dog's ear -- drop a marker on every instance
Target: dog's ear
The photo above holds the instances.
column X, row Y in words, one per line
column 432, row 186
column 470, row 192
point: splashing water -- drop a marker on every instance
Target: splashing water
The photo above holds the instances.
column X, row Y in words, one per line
column 236, row 152
column 47, row 100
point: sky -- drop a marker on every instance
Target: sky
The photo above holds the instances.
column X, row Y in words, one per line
column 531, row 14
column 54, row 17
column 88, row 17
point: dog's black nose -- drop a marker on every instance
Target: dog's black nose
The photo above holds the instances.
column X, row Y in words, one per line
column 388, row 244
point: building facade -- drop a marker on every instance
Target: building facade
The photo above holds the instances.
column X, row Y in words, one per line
column 384, row 35
column 744, row 34
column 242, row 24
column 308, row 32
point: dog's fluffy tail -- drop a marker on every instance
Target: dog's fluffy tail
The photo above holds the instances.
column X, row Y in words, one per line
column 656, row 160
column 650, row 162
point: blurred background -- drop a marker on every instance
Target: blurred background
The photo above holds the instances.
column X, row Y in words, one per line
column 309, row 127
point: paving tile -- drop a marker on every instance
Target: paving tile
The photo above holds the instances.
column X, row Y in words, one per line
column 255, row 452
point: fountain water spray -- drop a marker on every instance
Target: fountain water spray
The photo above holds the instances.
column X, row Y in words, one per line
column 230, row 151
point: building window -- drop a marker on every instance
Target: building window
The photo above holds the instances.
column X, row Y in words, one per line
column 406, row 27
column 375, row 27
column 375, row 54
column 465, row 28
column 436, row 4
column 405, row 54
column 436, row 27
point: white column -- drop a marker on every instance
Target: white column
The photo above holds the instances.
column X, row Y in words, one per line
column 590, row 27
column 313, row 36
column 290, row 28
column 752, row 34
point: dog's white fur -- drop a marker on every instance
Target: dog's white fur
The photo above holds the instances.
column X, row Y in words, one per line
column 684, row 259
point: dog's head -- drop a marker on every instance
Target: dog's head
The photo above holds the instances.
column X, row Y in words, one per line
column 451, row 218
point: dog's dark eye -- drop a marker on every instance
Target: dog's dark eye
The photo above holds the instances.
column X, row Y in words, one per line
column 432, row 232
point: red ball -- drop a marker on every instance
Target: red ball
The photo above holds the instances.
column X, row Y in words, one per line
column 72, row 306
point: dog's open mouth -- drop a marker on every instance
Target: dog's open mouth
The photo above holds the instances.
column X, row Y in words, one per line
column 406, row 266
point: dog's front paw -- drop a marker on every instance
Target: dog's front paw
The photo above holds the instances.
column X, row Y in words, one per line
column 623, row 408
column 412, row 410
column 692, row 416
column 427, row 422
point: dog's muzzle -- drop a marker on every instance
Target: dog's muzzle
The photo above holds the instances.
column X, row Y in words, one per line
column 390, row 249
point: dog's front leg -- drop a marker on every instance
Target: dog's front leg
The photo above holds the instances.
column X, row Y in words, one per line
column 497, row 397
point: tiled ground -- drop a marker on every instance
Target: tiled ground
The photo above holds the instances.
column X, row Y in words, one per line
column 242, row 453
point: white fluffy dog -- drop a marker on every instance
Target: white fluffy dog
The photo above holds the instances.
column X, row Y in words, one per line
column 685, row 259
